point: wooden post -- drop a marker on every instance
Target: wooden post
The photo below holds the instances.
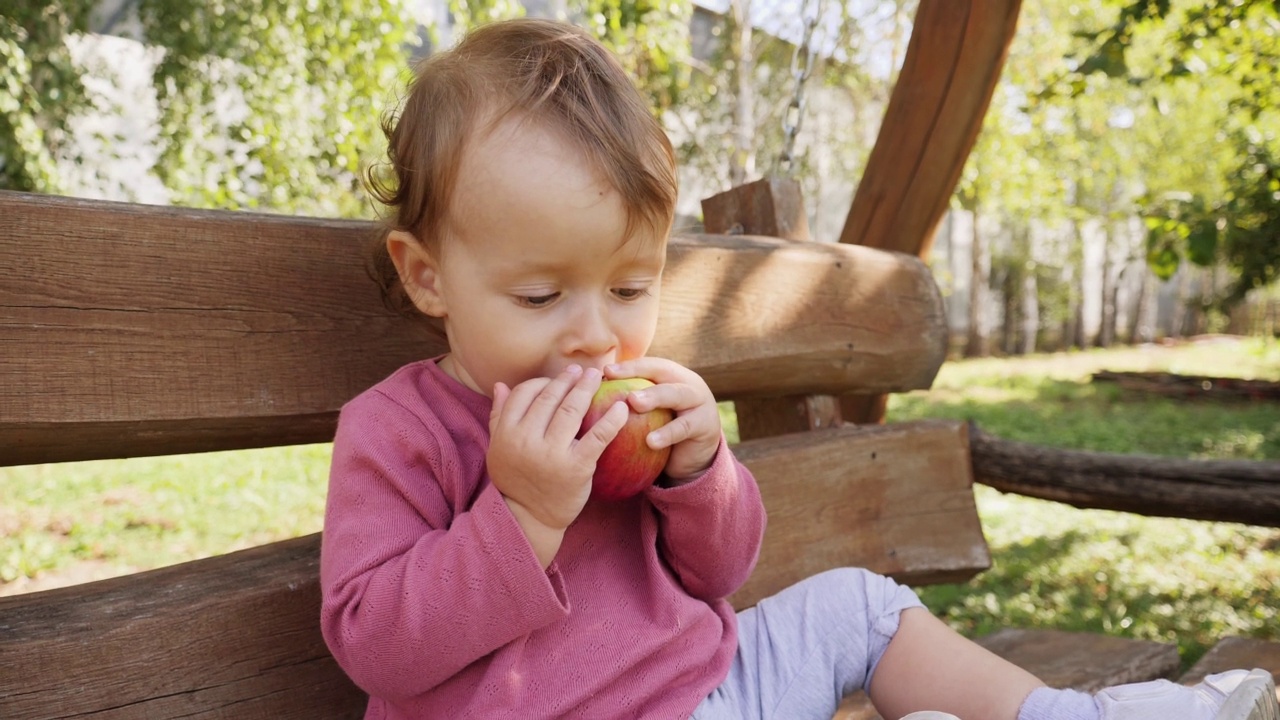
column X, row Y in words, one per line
column 955, row 57
column 773, row 206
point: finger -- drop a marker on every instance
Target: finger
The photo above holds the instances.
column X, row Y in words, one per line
column 520, row 397
column 657, row 369
column 673, row 433
column 550, row 399
column 593, row 443
column 500, row 394
column 675, row 396
column 568, row 418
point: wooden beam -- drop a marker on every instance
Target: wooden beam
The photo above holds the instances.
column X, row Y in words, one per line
column 1244, row 491
column 141, row 330
column 953, row 61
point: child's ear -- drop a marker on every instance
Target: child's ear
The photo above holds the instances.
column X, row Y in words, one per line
column 419, row 272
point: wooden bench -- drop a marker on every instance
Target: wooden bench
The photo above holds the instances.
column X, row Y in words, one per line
column 133, row 330
column 129, row 330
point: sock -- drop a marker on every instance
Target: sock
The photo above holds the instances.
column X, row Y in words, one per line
column 1045, row 703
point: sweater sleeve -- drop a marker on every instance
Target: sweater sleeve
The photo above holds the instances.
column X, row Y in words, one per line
column 710, row 529
column 415, row 587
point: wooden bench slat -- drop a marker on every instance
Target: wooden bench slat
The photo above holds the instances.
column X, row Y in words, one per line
column 231, row 636
column 1082, row 660
column 202, row 330
column 840, row 497
column 1231, row 653
column 143, row 643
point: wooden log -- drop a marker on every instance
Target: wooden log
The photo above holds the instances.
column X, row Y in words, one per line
column 210, row 330
column 236, row 635
column 1192, row 387
column 772, row 206
column 840, row 497
column 953, row 61
column 1241, row 491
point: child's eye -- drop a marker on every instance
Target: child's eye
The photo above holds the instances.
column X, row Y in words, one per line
column 536, row 301
column 631, row 293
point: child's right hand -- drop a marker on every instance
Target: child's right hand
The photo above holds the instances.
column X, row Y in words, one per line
column 535, row 459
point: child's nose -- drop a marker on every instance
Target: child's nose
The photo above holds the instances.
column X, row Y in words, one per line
column 591, row 335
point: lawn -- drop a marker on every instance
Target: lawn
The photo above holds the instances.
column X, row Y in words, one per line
column 1054, row 566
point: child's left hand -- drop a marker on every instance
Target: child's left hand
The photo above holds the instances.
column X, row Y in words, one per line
column 694, row 436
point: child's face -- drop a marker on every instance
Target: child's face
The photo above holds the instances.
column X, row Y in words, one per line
column 536, row 273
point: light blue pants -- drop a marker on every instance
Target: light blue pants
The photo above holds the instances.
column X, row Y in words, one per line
column 802, row 650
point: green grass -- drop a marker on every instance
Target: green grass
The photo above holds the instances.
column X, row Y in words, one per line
column 1054, row 566
column 1180, row 581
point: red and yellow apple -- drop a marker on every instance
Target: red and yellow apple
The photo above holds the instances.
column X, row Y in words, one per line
column 628, row 465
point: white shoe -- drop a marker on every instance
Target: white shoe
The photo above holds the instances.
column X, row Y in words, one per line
column 1232, row 695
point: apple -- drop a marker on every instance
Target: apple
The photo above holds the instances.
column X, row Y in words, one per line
column 628, row 465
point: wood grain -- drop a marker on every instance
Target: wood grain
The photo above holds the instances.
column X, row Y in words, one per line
column 238, row 635
column 1231, row 653
column 953, row 62
column 231, row 636
column 137, row 330
column 896, row 499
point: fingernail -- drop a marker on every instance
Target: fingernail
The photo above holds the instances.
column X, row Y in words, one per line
column 652, row 439
column 574, row 369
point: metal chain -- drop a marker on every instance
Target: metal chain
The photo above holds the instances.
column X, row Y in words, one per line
column 794, row 115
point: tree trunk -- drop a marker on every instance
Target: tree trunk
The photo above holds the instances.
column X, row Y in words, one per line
column 1107, row 325
column 1242, row 491
column 1134, row 331
column 742, row 162
column 1068, row 339
column 1009, row 287
column 976, row 346
column 1030, row 311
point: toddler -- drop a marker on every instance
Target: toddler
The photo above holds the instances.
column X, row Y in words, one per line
column 464, row 572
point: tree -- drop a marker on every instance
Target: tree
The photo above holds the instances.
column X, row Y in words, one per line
column 40, row 90
column 1230, row 50
column 272, row 104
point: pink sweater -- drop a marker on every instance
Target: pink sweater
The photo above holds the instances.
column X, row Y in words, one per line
column 435, row 603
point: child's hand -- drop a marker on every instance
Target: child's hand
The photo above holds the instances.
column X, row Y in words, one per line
column 694, row 435
column 534, row 457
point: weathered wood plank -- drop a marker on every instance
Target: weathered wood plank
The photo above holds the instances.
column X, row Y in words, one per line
column 1245, row 491
column 239, row 633
column 132, row 329
column 840, row 497
column 232, row 636
column 1082, row 660
column 1232, row 653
